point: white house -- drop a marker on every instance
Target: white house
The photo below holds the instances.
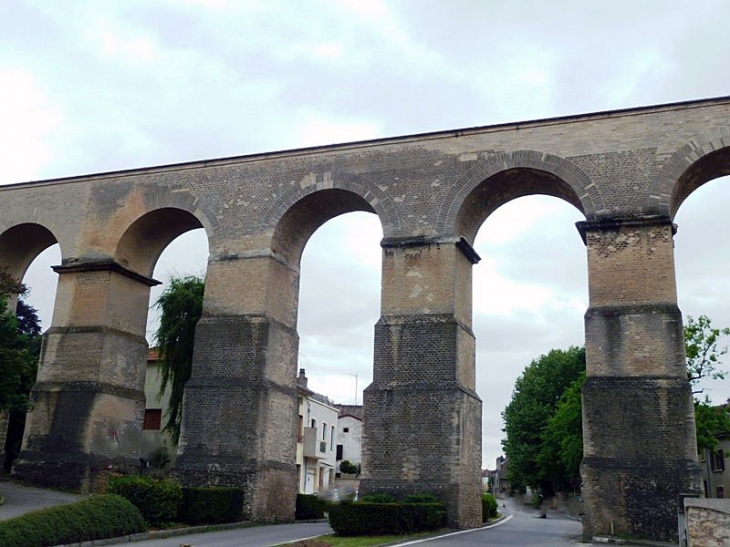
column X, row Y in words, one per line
column 316, row 439
column 349, row 434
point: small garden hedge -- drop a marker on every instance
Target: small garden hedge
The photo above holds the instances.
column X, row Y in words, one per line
column 157, row 499
column 489, row 507
column 375, row 519
column 309, row 507
column 211, row 505
column 99, row 517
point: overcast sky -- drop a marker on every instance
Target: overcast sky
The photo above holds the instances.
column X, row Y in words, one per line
column 92, row 86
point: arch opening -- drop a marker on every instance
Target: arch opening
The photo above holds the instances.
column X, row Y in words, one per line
column 298, row 224
column 28, row 251
column 144, row 241
column 701, row 250
column 530, row 292
column 504, row 187
column 21, row 244
column 335, row 240
column 709, row 167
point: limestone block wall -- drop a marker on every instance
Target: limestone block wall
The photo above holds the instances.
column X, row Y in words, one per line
column 707, row 522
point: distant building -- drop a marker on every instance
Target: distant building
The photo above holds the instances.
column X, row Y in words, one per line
column 317, row 428
column 501, row 482
column 349, row 434
column 155, row 409
column 715, row 475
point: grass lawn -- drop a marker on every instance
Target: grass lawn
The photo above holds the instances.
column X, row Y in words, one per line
column 359, row 541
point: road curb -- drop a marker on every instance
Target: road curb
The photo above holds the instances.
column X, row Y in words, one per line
column 162, row 534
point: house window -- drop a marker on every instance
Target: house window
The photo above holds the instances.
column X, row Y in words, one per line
column 720, row 492
column 324, row 432
column 314, row 423
column 339, row 452
column 717, row 461
column 345, row 429
column 332, row 438
column 152, row 419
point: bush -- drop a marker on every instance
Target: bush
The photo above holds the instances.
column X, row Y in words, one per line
column 99, row 517
column 350, row 468
column 423, row 497
column 309, row 507
column 489, row 507
column 378, row 498
column 211, row 505
column 375, row 519
column 157, row 499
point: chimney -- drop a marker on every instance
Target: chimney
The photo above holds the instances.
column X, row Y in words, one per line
column 302, row 378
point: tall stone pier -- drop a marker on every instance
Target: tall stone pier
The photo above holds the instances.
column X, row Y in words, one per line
column 626, row 171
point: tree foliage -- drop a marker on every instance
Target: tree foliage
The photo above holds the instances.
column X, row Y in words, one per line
column 19, row 347
column 535, row 399
column 180, row 305
column 562, row 449
column 704, row 353
column 544, row 441
column 701, row 344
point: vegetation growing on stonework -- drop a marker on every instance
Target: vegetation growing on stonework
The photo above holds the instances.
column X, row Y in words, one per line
column 181, row 305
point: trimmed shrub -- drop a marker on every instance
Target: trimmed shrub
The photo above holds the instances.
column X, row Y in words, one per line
column 157, row 499
column 350, row 468
column 423, row 497
column 376, row 519
column 211, row 505
column 489, row 507
column 309, row 507
column 100, row 517
column 378, row 498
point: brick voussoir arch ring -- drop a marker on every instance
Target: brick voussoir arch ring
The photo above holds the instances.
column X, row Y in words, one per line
column 164, row 198
column 381, row 203
column 662, row 188
column 584, row 188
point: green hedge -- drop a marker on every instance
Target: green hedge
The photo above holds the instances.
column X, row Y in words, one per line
column 489, row 507
column 157, row 499
column 309, row 507
column 378, row 498
column 375, row 519
column 99, row 517
column 211, row 505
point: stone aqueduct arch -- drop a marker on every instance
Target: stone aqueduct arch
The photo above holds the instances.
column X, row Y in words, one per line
column 627, row 171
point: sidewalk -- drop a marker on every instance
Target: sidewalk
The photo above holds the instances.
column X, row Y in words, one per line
column 24, row 499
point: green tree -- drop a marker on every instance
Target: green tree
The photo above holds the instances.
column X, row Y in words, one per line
column 701, row 344
column 19, row 347
column 535, row 399
column 562, row 449
column 704, row 353
column 180, row 305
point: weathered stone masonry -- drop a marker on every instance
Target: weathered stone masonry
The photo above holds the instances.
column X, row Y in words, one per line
column 627, row 171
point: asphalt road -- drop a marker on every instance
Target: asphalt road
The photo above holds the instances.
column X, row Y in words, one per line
column 256, row 536
column 520, row 528
column 22, row 499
